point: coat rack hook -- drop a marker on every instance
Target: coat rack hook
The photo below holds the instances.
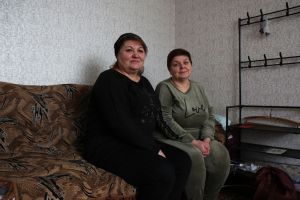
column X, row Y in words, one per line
column 287, row 9
column 266, row 63
column 249, row 65
column 280, row 54
column 261, row 15
column 248, row 16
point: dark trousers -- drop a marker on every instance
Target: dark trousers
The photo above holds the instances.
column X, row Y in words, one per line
column 155, row 177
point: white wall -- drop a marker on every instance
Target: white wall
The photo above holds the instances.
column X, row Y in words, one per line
column 71, row 41
column 209, row 29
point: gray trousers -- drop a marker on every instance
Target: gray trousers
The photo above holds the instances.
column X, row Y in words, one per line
column 208, row 174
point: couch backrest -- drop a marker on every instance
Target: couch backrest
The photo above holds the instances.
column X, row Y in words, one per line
column 41, row 118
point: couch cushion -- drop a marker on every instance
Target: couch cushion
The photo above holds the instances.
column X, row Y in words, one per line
column 41, row 118
column 40, row 176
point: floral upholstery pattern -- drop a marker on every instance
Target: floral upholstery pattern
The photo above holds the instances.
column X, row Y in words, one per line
column 40, row 127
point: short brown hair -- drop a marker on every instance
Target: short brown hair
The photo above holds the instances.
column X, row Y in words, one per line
column 177, row 52
column 128, row 36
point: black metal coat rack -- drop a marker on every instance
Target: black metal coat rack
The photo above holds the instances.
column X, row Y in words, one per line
column 281, row 60
column 265, row 62
column 288, row 11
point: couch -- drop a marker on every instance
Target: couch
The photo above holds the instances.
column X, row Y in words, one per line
column 40, row 149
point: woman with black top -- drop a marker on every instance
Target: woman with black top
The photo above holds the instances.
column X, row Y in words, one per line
column 123, row 115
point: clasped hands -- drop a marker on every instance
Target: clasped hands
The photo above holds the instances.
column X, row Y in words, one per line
column 203, row 146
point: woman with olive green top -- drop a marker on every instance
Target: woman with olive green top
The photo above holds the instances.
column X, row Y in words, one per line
column 189, row 115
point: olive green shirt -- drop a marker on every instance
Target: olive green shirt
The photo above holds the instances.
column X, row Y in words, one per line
column 189, row 114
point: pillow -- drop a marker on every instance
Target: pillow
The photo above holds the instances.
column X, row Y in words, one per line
column 222, row 120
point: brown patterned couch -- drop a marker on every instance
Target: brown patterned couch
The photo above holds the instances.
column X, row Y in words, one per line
column 39, row 154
